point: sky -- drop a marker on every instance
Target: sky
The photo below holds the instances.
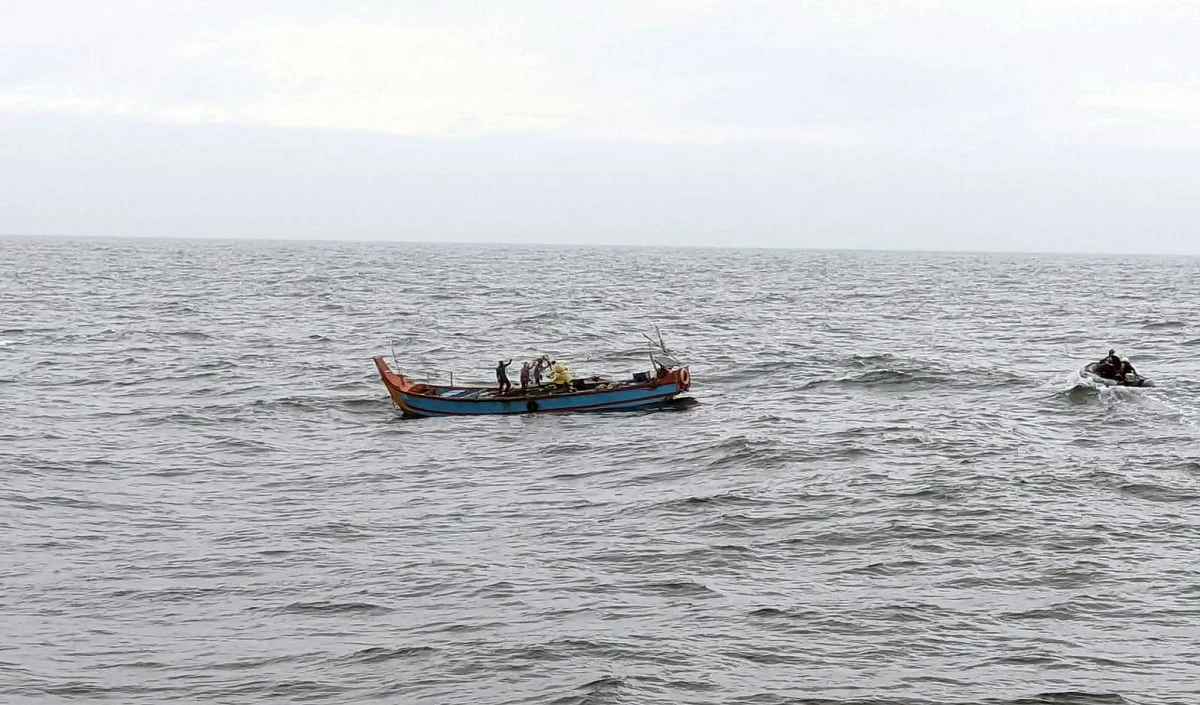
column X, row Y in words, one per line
column 1050, row 125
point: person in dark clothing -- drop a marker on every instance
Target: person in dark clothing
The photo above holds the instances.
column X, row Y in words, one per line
column 1110, row 366
column 503, row 385
column 1113, row 367
column 539, row 368
column 525, row 369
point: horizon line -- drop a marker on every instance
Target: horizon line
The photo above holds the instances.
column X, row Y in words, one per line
column 580, row 245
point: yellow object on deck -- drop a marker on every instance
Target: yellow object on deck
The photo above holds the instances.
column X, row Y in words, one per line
column 559, row 374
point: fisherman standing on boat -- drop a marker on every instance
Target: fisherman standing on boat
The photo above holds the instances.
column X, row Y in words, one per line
column 525, row 369
column 503, row 385
column 539, row 367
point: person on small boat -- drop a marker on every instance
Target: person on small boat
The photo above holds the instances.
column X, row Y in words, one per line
column 502, row 383
column 539, row 368
column 1113, row 367
column 1126, row 369
column 1110, row 366
column 525, row 369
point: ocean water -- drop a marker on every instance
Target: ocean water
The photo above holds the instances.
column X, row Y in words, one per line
column 891, row 488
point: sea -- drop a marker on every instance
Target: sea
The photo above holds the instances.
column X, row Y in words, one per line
column 891, row 485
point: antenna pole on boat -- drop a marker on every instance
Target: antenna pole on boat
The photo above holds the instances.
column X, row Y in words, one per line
column 660, row 343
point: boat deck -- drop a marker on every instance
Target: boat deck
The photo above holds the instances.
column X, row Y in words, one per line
column 544, row 390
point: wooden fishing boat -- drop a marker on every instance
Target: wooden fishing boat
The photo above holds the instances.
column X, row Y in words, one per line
column 640, row 391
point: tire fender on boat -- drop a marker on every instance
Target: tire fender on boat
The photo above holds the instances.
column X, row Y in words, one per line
column 685, row 378
column 531, row 406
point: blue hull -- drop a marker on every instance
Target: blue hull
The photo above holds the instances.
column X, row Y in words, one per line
column 612, row 400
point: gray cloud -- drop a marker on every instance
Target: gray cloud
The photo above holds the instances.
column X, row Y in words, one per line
column 1058, row 125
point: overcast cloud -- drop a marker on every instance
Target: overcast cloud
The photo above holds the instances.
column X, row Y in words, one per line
column 1053, row 125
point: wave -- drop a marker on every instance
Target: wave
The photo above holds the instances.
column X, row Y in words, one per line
column 335, row 608
column 601, row 690
column 886, row 372
column 189, row 335
column 742, row 451
column 379, row 654
column 1068, row 697
column 722, row 499
column 1085, row 607
column 869, row 361
column 883, row 378
column 1082, row 392
column 254, row 663
column 680, row 588
column 1158, row 493
column 884, row 568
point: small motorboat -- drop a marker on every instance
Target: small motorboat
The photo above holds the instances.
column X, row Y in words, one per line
column 1131, row 379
